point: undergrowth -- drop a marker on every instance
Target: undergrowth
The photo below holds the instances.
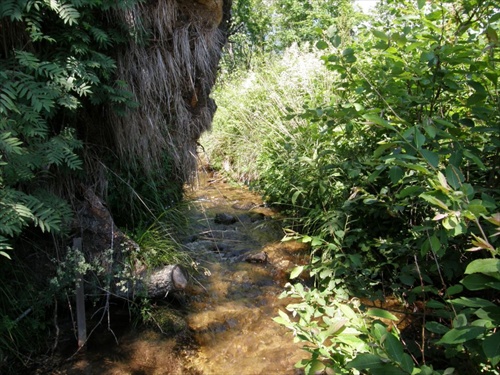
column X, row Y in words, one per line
column 389, row 164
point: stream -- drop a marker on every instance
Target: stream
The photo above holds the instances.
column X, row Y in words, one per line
column 227, row 311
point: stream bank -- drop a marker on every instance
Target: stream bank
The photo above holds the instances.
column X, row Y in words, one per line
column 222, row 324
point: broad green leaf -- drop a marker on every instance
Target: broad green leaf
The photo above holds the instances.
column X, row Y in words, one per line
column 454, row 289
column 282, row 319
column 477, row 207
column 491, row 265
column 491, row 347
column 459, row 321
column 471, row 302
column 431, row 131
column 407, row 363
column 410, row 191
column 396, row 174
column 461, row 335
column 435, row 243
column 436, row 327
column 380, row 34
column 296, row 272
column 469, row 155
column 434, row 201
column 479, row 281
column 336, row 327
column 379, row 331
column 321, row 45
column 348, row 312
column 431, row 157
column 378, row 120
column 433, row 304
column 380, row 313
column 394, row 348
column 365, row 361
column 491, row 313
column 454, row 176
column 418, row 138
column 442, row 181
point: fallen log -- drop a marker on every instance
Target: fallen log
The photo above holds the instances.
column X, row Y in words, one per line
column 154, row 284
column 100, row 234
column 161, row 281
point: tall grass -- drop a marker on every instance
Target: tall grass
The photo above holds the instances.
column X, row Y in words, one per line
column 253, row 109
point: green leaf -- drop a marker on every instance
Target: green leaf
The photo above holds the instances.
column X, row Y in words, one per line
column 491, row 347
column 407, row 363
column 380, row 313
column 368, row 361
column 491, row 265
column 434, row 243
column 296, row 272
column 395, row 174
column 490, row 313
column 4, row 254
column 418, row 138
column 454, row 176
column 378, row 120
column 380, row 34
column 478, row 281
column 436, row 327
column 431, row 157
column 410, row 191
column 469, row 155
column 394, row 348
column 455, row 289
column 295, row 196
column 471, row 302
column 321, row 45
column 365, row 361
column 461, row 335
column 434, row 201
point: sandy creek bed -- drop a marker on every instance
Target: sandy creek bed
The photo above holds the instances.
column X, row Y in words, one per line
column 229, row 313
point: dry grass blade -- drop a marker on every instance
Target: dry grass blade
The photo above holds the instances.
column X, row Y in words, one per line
column 171, row 77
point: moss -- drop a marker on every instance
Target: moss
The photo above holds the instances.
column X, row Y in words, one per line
column 167, row 320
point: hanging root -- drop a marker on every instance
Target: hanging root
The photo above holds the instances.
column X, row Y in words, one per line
column 171, row 75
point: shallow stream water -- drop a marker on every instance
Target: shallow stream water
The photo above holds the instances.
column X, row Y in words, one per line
column 229, row 305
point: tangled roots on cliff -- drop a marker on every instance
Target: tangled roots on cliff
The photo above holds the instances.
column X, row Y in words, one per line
column 170, row 75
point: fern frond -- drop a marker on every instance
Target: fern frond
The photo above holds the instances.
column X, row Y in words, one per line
column 27, row 59
column 100, row 36
column 11, row 9
column 13, row 214
column 4, row 245
column 10, row 144
column 66, row 12
column 8, row 95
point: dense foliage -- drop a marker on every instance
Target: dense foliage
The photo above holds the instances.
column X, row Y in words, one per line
column 56, row 71
column 72, row 77
column 391, row 171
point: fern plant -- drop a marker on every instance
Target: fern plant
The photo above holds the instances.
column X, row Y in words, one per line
column 55, row 61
